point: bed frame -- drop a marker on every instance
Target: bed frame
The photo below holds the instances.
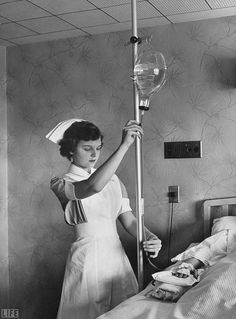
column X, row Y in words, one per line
column 215, row 208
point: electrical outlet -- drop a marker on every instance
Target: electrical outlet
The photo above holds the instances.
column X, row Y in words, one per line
column 173, row 194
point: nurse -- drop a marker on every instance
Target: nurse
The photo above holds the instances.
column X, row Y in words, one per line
column 98, row 275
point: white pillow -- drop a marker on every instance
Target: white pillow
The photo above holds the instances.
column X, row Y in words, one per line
column 222, row 223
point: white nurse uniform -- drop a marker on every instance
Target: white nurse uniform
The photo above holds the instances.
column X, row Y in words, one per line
column 98, row 275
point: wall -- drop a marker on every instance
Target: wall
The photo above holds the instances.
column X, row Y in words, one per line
column 90, row 78
column 4, row 274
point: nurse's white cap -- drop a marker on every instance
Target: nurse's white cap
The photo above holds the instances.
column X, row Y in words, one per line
column 56, row 134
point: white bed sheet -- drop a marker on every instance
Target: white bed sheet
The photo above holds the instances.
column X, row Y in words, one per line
column 214, row 297
column 140, row 306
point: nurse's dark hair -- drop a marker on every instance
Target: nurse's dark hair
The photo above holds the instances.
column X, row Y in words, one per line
column 78, row 131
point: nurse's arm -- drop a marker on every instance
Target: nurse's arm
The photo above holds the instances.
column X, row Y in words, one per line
column 98, row 180
column 152, row 244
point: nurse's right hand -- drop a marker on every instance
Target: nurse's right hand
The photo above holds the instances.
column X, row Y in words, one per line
column 131, row 130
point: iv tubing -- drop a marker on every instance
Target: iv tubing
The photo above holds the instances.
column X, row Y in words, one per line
column 138, row 157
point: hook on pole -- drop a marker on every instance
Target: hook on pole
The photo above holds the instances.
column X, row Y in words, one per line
column 138, row 40
column 135, row 39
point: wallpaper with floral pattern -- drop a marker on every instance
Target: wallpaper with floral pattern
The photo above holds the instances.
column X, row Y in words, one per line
column 90, row 78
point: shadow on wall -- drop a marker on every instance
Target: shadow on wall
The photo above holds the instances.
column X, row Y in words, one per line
column 220, row 70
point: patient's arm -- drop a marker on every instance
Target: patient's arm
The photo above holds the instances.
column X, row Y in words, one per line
column 209, row 251
column 191, row 263
column 195, row 262
column 171, row 292
column 204, row 254
column 168, row 292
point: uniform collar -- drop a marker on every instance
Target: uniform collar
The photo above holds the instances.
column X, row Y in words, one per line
column 73, row 169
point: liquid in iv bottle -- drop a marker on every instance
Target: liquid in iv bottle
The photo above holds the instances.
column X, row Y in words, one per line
column 149, row 74
column 149, row 79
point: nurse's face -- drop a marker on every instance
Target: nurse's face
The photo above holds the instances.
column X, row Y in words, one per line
column 87, row 153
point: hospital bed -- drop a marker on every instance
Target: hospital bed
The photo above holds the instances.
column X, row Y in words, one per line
column 214, row 297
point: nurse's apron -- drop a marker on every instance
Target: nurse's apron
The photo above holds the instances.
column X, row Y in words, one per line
column 98, row 274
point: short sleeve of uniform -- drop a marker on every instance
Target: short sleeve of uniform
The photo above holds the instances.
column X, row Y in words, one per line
column 63, row 187
column 125, row 202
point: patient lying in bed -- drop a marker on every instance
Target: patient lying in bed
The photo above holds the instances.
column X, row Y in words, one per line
column 171, row 284
column 212, row 264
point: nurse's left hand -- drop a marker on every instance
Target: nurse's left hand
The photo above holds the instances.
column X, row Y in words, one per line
column 152, row 246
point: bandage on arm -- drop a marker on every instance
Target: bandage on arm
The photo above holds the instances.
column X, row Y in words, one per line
column 196, row 263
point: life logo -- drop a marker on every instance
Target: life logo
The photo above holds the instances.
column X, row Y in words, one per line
column 9, row 313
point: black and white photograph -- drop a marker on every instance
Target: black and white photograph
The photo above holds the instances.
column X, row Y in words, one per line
column 118, row 159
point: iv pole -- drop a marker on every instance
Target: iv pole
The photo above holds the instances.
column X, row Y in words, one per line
column 138, row 155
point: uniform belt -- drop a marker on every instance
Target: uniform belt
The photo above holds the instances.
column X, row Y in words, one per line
column 96, row 229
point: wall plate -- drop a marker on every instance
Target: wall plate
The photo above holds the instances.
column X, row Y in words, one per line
column 186, row 149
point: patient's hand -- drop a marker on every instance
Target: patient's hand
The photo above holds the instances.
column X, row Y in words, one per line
column 172, row 292
column 168, row 292
column 186, row 268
